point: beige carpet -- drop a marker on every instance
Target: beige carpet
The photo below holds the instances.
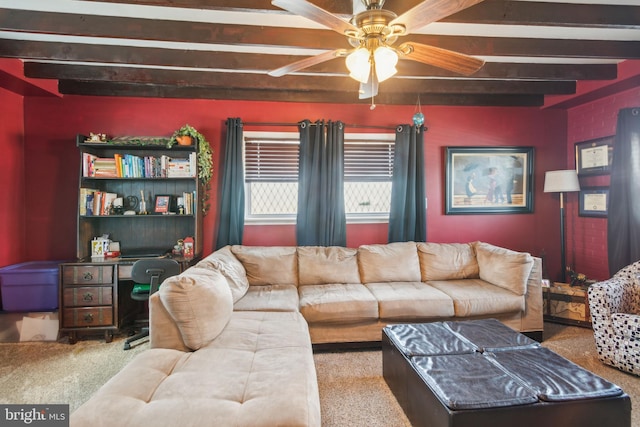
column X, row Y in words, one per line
column 352, row 391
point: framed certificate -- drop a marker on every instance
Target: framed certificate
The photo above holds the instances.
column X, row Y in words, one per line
column 594, row 201
column 594, row 157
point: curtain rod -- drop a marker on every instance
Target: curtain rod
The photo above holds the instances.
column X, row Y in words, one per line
column 296, row 124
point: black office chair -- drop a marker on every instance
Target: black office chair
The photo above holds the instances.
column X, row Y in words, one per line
column 147, row 275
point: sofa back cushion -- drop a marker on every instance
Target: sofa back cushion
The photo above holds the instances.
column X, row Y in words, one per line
column 226, row 263
column 447, row 261
column 200, row 302
column 503, row 267
column 319, row 265
column 392, row 262
column 268, row 265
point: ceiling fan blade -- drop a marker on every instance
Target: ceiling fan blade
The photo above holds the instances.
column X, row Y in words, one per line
column 316, row 14
column 307, row 62
column 430, row 11
column 442, row 58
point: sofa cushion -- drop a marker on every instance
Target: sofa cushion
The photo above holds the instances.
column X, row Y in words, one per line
column 392, row 262
column 268, row 265
column 446, row 261
column 410, row 300
column 341, row 303
column 503, row 267
column 226, row 263
column 318, row 265
column 199, row 301
column 269, row 298
column 475, row 297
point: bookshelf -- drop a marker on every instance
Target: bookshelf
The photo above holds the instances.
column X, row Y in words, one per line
column 94, row 292
column 134, row 172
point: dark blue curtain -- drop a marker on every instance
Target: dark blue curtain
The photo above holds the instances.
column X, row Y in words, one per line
column 623, row 225
column 231, row 212
column 321, row 219
column 408, row 212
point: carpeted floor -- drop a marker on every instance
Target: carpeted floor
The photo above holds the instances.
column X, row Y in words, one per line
column 352, row 390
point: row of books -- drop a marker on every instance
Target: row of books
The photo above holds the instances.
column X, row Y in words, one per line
column 189, row 203
column 131, row 166
column 95, row 202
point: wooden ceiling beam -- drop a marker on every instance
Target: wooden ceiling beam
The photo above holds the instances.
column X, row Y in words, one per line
column 557, row 14
column 505, row 12
column 406, row 68
column 37, row 50
column 188, row 32
column 71, row 87
column 340, row 7
column 301, row 83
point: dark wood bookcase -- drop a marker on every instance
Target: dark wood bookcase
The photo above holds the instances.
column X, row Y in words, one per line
column 148, row 234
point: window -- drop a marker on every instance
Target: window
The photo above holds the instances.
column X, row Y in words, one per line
column 271, row 176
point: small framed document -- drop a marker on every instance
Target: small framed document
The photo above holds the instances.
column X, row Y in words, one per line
column 594, row 201
column 162, row 204
column 594, row 157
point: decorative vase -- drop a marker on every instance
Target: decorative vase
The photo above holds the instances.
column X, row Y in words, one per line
column 184, row 140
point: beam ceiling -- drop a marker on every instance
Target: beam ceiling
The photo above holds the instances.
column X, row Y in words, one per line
column 223, row 49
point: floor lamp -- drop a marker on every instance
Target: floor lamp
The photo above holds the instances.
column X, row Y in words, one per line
column 561, row 181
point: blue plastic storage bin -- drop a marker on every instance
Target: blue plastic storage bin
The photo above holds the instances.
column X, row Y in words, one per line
column 30, row 286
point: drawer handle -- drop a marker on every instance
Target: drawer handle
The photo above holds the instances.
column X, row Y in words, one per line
column 87, row 297
column 88, row 276
column 88, row 318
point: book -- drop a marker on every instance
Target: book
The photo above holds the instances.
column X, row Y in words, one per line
column 83, row 200
column 89, row 204
column 107, row 202
column 97, row 203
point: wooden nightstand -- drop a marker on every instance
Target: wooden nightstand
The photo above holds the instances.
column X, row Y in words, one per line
column 566, row 304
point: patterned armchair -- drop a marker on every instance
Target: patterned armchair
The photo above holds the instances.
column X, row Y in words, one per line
column 615, row 315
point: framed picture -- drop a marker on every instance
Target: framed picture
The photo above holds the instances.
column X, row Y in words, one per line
column 162, row 204
column 488, row 180
column 593, row 202
column 594, row 157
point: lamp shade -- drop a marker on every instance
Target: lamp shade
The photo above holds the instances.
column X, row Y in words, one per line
column 386, row 60
column 561, row 181
column 359, row 65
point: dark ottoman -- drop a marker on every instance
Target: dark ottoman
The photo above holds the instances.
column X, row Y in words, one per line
column 481, row 373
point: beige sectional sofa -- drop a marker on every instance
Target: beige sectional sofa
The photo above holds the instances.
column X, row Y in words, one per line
column 232, row 336
column 348, row 295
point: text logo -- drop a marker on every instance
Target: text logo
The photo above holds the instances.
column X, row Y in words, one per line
column 34, row 415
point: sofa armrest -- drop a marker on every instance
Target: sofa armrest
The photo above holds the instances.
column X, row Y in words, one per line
column 532, row 320
column 626, row 325
column 620, row 294
column 163, row 330
column 605, row 298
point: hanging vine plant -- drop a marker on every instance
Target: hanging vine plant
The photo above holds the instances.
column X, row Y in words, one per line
column 205, row 159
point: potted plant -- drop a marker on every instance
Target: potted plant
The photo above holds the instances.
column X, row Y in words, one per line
column 205, row 161
column 185, row 135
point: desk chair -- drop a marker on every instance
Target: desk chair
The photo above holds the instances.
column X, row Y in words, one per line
column 147, row 275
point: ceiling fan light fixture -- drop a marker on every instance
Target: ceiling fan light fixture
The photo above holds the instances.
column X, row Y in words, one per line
column 385, row 60
column 359, row 65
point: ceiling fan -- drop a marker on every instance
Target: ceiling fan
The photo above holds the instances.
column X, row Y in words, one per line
column 372, row 34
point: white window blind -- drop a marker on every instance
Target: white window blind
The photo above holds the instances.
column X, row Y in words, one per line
column 271, row 175
column 276, row 158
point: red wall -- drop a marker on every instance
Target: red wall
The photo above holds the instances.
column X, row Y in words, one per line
column 587, row 237
column 51, row 125
column 12, row 185
column 39, row 177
